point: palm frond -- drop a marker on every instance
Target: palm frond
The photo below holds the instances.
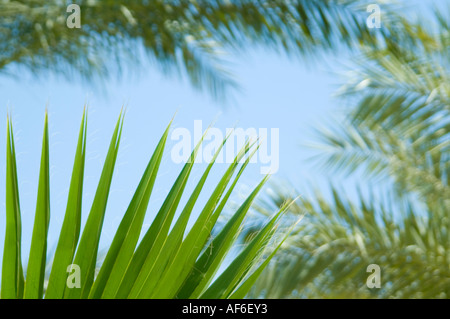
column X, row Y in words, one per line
column 171, row 259
column 329, row 253
column 398, row 129
column 179, row 36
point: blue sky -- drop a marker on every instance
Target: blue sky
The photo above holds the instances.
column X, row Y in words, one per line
column 277, row 92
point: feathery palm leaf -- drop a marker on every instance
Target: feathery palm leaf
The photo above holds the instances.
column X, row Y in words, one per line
column 179, row 36
column 400, row 128
column 329, row 254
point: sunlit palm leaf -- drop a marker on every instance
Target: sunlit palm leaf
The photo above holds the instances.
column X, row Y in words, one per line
column 163, row 260
column 12, row 271
column 70, row 231
column 34, row 285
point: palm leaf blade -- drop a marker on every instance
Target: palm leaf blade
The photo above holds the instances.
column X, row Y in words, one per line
column 34, row 285
column 70, row 231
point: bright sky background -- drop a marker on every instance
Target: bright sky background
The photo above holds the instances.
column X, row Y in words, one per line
column 277, row 93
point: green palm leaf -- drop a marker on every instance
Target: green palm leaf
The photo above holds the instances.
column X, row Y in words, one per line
column 70, row 231
column 12, row 272
column 121, row 250
column 163, row 264
column 34, row 285
column 86, row 255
